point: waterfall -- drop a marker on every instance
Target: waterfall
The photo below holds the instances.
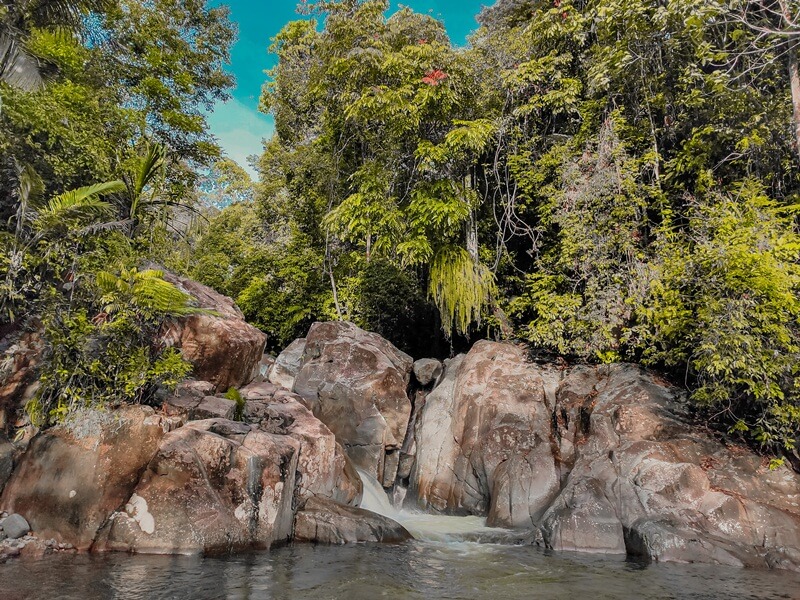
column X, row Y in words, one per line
column 434, row 527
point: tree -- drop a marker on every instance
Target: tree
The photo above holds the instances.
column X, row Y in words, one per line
column 224, row 184
column 775, row 25
column 396, row 142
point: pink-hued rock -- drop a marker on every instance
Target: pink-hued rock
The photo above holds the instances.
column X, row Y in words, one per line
column 73, row 476
column 214, row 486
column 324, row 469
column 599, row 459
column 222, row 347
column 481, row 438
column 355, row 382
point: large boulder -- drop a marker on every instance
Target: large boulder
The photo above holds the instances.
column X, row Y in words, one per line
column 356, row 383
column 643, row 480
column 325, row 521
column 74, row 475
column 222, row 347
column 484, row 438
column 601, row 459
column 214, row 486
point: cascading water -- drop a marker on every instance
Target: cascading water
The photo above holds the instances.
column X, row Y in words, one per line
column 432, row 527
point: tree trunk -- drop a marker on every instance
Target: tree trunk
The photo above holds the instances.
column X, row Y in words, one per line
column 794, row 69
column 794, row 83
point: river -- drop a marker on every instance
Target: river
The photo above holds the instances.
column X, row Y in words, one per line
column 442, row 562
column 412, row 570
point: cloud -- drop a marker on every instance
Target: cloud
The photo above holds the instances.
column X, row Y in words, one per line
column 240, row 130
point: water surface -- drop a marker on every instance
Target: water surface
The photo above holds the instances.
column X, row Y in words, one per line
column 409, row 571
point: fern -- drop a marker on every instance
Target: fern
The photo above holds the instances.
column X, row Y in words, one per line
column 143, row 292
column 460, row 288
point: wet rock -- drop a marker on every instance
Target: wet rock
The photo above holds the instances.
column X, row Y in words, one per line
column 74, row 475
column 214, row 486
column 427, row 370
column 15, row 526
column 223, row 348
column 325, row 521
column 287, row 365
column 355, row 382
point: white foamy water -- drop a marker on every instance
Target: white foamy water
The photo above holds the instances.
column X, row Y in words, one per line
column 427, row 526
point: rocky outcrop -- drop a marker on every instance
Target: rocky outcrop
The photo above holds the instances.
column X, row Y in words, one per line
column 213, row 486
column 287, row 365
column 222, row 347
column 140, row 481
column 324, row 521
column 73, row 476
column 20, row 353
column 599, row 459
column 355, row 382
column 640, row 479
column 324, row 469
column 483, row 431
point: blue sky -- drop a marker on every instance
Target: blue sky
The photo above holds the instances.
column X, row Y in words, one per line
column 237, row 124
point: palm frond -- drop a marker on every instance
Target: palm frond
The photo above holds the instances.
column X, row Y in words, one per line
column 146, row 292
column 19, row 68
column 82, row 204
column 49, row 13
column 150, row 165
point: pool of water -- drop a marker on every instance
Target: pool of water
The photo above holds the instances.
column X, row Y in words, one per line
column 414, row 570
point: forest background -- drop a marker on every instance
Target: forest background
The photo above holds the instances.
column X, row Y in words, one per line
column 602, row 180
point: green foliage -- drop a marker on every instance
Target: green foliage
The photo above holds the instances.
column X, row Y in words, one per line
column 236, row 396
column 724, row 306
column 580, row 300
column 606, row 180
column 384, row 169
column 97, row 363
column 460, row 287
column 144, row 294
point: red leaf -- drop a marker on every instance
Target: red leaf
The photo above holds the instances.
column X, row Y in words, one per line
column 434, row 77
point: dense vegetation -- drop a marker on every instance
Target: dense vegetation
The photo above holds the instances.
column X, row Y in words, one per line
column 603, row 180
column 101, row 138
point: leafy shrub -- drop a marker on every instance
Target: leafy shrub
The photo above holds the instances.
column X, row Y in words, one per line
column 95, row 364
column 110, row 357
column 724, row 309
